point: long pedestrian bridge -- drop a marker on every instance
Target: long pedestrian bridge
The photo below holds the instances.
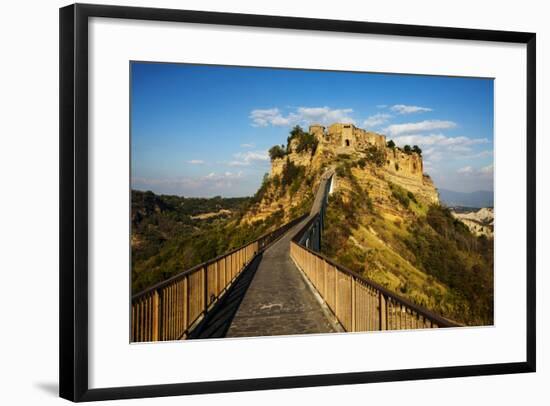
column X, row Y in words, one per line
column 279, row 284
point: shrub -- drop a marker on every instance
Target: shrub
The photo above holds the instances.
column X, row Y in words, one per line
column 344, row 157
column 400, row 194
column 416, row 149
column 407, row 149
column 390, row 144
column 344, row 170
column 307, row 142
column 375, row 155
column 276, row 152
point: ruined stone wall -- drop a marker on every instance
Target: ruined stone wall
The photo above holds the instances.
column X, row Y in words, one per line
column 300, row 159
column 341, row 135
column 348, row 136
column 407, row 171
column 277, row 166
column 318, row 131
column 400, row 163
column 377, row 139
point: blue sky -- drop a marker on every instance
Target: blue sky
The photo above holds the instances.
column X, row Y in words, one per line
column 205, row 130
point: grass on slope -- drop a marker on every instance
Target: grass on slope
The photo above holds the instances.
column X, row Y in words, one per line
column 418, row 251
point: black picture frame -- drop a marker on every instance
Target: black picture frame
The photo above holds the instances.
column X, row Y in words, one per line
column 73, row 280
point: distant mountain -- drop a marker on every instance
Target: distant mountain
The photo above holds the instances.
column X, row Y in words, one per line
column 481, row 198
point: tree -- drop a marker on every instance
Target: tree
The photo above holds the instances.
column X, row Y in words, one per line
column 407, row 149
column 296, row 130
column 390, row 144
column 416, row 149
column 307, row 141
column 276, row 152
column 294, row 133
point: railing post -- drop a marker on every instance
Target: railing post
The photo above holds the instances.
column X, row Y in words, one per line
column 205, row 287
column 336, row 282
column 186, row 304
column 383, row 320
column 216, row 271
column 155, row 316
column 353, row 308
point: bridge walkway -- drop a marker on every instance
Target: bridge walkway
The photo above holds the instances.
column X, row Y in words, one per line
column 279, row 301
column 271, row 297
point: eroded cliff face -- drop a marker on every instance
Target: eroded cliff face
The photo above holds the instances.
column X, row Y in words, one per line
column 398, row 167
column 375, row 167
column 289, row 188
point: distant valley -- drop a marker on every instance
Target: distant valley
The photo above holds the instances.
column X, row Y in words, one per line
column 480, row 222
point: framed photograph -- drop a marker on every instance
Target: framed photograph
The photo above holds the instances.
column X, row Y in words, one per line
column 256, row 202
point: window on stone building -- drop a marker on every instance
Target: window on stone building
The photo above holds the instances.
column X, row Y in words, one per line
column 347, row 143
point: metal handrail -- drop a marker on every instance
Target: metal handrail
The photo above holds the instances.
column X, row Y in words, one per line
column 314, row 218
column 171, row 309
column 401, row 300
column 198, row 267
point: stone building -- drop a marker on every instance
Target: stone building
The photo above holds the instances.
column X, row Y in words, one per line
column 347, row 136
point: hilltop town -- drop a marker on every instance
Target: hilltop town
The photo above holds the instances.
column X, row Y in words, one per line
column 335, row 145
column 402, row 166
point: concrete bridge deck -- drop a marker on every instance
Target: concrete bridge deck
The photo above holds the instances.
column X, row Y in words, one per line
column 279, row 301
column 270, row 298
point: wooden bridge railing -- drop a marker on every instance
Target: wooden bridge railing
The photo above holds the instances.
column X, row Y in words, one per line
column 170, row 309
column 359, row 304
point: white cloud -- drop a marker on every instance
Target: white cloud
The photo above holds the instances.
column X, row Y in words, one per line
column 438, row 140
column 196, row 162
column 439, row 147
column 325, row 115
column 406, row 109
column 248, row 158
column 247, row 145
column 207, row 183
column 302, row 115
column 481, row 154
column 465, row 170
column 265, row 117
column 483, row 172
column 376, row 120
column 238, row 163
column 426, row 125
column 487, row 170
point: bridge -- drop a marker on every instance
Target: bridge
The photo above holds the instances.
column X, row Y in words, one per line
column 278, row 284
